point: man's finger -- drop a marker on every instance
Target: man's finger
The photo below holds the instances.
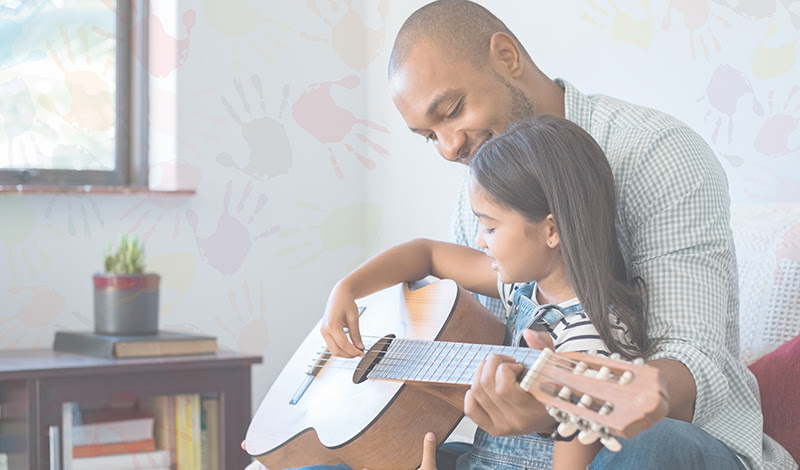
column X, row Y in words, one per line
column 428, row 452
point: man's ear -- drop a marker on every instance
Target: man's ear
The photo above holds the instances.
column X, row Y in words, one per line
column 504, row 53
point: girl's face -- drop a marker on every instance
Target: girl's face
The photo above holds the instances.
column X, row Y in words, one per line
column 519, row 248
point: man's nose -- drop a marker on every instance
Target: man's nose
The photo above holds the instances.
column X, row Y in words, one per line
column 450, row 145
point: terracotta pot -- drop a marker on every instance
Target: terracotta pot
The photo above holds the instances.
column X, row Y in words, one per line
column 126, row 304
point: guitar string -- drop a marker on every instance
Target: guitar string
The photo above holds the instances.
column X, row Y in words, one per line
column 393, row 360
column 399, row 356
column 342, row 363
column 555, row 361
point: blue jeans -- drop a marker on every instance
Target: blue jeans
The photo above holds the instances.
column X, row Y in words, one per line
column 667, row 445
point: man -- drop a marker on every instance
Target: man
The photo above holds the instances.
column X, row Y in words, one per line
column 458, row 76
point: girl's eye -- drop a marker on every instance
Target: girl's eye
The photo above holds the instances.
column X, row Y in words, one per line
column 488, row 231
column 430, row 138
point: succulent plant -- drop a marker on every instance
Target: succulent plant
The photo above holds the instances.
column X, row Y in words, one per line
column 128, row 259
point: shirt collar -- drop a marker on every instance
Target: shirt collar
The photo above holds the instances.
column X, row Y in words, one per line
column 577, row 106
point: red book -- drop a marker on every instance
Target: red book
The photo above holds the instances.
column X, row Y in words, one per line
column 96, row 450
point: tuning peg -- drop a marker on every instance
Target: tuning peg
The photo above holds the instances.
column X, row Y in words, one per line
column 638, row 361
column 626, row 377
column 588, row 437
column 566, row 429
column 610, row 442
column 603, row 373
column 615, row 357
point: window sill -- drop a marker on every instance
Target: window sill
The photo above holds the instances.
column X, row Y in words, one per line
column 122, row 190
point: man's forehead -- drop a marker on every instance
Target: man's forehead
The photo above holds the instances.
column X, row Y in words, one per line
column 427, row 70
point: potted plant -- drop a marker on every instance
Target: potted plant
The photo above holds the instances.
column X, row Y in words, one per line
column 125, row 297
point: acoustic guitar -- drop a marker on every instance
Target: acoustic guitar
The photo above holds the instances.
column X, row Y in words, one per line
column 373, row 412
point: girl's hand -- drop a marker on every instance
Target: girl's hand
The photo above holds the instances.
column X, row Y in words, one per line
column 341, row 319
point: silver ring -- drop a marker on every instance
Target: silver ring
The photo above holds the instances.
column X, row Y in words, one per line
column 346, row 330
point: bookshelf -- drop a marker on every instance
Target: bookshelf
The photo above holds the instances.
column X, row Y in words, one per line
column 38, row 386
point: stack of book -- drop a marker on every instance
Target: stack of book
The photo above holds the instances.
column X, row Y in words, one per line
column 118, row 438
column 188, row 427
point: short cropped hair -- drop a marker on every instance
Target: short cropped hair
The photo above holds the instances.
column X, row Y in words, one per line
column 460, row 28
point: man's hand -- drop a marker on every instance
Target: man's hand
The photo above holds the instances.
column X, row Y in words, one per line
column 497, row 403
column 428, row 452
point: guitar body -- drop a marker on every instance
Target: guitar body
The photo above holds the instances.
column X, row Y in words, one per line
column 378, row 424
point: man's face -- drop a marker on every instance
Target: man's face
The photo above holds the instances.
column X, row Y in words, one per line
column 455, row 105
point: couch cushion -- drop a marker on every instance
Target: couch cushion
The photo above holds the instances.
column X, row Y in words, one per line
column 778, row 375
column 767, row 238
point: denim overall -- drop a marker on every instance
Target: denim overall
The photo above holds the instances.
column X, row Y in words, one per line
column 529, row 451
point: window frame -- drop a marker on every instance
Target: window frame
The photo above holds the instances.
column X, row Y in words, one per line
column 130, row 122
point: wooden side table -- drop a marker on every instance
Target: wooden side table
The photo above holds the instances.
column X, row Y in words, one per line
column 35, row 384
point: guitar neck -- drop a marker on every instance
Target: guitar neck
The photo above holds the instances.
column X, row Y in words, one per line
column 440, row 362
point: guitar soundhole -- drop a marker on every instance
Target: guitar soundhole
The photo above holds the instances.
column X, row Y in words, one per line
column 372, row 358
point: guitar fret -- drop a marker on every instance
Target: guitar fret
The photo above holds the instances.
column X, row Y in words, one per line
column 433, row 360
column 447, row 363
column 468, row 367
column 400, row 361
column 453, row 366
column 425, row 353
column 443, row 362
column 408, row 360
column 440, row 359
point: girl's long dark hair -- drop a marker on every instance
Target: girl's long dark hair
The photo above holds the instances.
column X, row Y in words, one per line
column 549, row 165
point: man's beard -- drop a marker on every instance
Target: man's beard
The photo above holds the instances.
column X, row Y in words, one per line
column 521, row 107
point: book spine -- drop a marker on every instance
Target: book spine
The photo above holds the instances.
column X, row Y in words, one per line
column 210, row 409
column 183, row 428
column 97, row 450
column 196, row 437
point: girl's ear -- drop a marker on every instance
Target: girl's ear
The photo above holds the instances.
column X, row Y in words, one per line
column 551, row 232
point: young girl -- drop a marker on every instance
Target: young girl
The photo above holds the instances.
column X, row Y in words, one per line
column 544, row 195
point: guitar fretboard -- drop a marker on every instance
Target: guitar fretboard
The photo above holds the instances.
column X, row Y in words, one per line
column 439, row 361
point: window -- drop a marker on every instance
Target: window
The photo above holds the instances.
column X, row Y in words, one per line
column 72, row 97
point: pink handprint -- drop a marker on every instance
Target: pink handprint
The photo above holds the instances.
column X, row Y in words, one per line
column 226, row 249
column 774, row 137
column 317, row 112
column 724, row 91
column 697, row 17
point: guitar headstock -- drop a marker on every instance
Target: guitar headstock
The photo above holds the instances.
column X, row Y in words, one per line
column 597, row 396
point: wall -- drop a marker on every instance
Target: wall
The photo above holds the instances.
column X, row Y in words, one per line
column 303, row 166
